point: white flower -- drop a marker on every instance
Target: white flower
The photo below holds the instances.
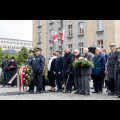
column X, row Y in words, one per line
column 86, row 59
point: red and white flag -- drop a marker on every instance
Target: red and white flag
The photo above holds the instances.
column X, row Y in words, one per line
column 63, row 35
column 55, row 39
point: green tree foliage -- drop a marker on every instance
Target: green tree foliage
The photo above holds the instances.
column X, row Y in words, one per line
column 34, row 51
column 22, row 56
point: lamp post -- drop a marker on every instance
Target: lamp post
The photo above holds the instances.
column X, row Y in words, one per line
column 61, row 21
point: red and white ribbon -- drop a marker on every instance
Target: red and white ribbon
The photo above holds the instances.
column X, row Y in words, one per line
column 19, row 75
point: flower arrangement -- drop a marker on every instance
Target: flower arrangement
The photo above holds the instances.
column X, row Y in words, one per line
column 81, row 62
column 27, row 75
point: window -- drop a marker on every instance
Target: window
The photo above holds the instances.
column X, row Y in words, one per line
column 70, row 34
column 51, row 34
column 70, row 46
column 51, row 49
column 80, row 47
column 59, row 48
column 39, row 23
column 51, row 21
column 99, row 25
column 100, row 43
column 81, row 28
column 39, row 37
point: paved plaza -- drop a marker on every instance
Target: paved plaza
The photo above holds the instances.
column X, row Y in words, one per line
column 14, row 94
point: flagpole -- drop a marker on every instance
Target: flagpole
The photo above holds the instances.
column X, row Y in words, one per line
column 61, row 39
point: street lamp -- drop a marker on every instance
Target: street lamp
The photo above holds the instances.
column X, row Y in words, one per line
column 61, row 21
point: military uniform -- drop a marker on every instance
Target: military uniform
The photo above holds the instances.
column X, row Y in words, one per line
column 38, row 67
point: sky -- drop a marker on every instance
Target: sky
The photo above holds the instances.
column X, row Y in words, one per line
column 16, row 29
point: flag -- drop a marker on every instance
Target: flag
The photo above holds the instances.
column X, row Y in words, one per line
column 55, row 38
column 63, row 35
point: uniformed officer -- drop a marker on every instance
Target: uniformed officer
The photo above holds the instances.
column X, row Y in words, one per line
column 31, row 57
column 29, row 62
column 38, row 67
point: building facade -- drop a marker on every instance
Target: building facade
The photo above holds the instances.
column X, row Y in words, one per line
column 78, row 34
column 40, row 34
column 16, row 44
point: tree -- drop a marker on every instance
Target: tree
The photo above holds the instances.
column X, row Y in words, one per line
column 1, row 56
column 22, row 57
column 34, row 51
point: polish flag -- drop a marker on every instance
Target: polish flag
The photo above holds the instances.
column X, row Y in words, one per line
column 55, row 38
column 63, row 35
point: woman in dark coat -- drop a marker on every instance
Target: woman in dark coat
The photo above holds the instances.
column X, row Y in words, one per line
column 13, row 70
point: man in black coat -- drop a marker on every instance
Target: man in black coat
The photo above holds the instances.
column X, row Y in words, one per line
column 68, row 77
column 112, row 60
column 13, row 70
column 5, row 70
column 118, row 76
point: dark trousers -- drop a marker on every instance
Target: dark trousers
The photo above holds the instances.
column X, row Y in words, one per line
column 112, row 85
column 103, row 79
column 43, row 82
column 97, row 83
column 59, row 83
column 69, row 82
column 5, row 75
column 51, row 80
column 118, row 78
column 107, row 84
column 37, row 80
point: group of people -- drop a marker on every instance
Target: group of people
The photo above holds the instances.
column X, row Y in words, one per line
column 60, row 71
column 9, row 69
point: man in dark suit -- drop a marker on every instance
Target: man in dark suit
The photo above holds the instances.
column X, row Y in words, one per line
column 58, row 71
column 66, row 63
column 5, row 70
column 112, row 60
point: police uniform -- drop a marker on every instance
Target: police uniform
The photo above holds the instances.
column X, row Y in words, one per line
column 29, row 62
column 30, row 59
column 38, row 67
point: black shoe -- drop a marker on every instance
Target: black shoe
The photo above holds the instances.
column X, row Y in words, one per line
column 119, row 96
column 76, row 92
column 31, row 91
column 94, row 92
column 66, row 91
column 109, row 93
column 86, row 94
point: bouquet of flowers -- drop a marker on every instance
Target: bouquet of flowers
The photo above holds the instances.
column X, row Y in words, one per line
column 27, row 75
column 82, row 61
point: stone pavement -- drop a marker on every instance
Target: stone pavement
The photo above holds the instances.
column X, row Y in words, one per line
column 14, row 94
